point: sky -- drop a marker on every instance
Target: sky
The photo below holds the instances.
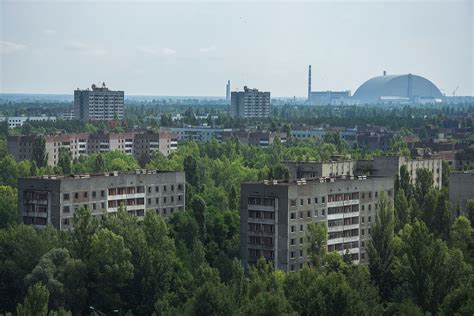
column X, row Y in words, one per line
column 192, row 48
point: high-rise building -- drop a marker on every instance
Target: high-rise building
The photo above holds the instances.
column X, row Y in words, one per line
column 274, row 217
column 98, row 104
column 54, row 199
column 250, row 103
column 461, row 190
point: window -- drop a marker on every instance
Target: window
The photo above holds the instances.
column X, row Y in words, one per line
column 94, row 206
column 301, row 214
column 309, row 201
column 363, row 243
column 292, row 255
column 363, row 219
column 376, row 194
column 293, row 202
column 362, row 255
column 301, row 201
column 149, row 201
column 76, row 195
column 164, row 188
column 157, row 200
column 363, row 207
column 102, row 193
column 316, row 200
column 301, row 253
column 369, row 231
column 292, row 267
column 94, row 194
column 301, row 240
column 370, row 195
column 301, row 228
column 369, row 219
column 315, row 213
column 292, row 241
column 362, row 232
column 149, row 189
column 363, row 195
column 323, row 213
column 172, row 187
column 66, row 196
column 370, row 207
column 308, row 214
column 102, row 205
column 66, row 209
column 293, row 228
column 292, row 215
column 323, row 199
column 85, row 194
column 157, row 189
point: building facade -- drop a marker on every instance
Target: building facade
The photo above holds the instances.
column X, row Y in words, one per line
column 250, row 103
column 98, row 104
column 53, row 199
column 137, row 144
column 274, row 217
column 461, row 189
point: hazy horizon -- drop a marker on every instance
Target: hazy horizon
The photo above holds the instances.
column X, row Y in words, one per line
column 191, row 49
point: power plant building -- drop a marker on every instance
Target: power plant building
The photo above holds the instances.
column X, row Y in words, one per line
column 406, row 88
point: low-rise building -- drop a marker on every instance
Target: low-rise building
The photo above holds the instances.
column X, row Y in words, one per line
column 18, row 121
column 274, row 217
column 54, row 199
column 461, row 189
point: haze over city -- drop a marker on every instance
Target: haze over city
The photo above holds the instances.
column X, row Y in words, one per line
column 193, row 48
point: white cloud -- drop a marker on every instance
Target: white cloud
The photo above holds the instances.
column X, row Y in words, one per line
column 156, row 51
column 168, row 51
column 10, row 47
column 80, row 47
column 207, row 49
column 49, row 31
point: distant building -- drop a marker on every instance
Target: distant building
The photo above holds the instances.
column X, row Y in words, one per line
column 461, row 189
column 274, row 217
column 98, row 104
column 250, row 103
column 198, row 133
column 330, row 97
column 137, row 144
column 54, row 199
column 256, row 138
column 18, row 121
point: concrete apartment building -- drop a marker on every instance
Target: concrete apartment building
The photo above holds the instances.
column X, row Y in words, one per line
column 257, row 138
column 250, row 103
column 53, row 199
column 138, row 144
column 98, row 104
column 461, row 189
column 382, row 166
column 274, row 217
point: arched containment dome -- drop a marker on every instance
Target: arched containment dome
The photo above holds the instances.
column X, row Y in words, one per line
column 397, row 88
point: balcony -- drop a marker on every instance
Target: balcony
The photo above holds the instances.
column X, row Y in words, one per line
column 342, row 215
column 342, row 203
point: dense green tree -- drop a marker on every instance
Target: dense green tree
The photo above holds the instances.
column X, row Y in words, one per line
column 381, row 250
column 427, row 269
column 110, row 269
column 35, row 303
column 199, row 211
column 461, row 236
column 402, row 210
column 40, row 156
column 65, row 160
column 316, row 236
column 191, row 169
column 8, row 171
column 8, row 206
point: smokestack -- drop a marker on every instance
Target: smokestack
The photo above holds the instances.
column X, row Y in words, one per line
column 384, row 72
column 309, row 84
column 227, row 91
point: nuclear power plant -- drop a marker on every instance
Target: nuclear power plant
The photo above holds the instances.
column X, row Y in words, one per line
column 385, row 89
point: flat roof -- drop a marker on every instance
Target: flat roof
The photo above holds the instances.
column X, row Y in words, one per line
column 102, row 174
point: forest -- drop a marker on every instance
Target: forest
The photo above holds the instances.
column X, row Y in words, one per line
column 421, row 258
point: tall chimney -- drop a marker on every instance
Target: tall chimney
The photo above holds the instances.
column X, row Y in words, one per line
column 309, row 84
column 384, row 72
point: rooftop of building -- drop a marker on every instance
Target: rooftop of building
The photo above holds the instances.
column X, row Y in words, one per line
column 304, row 181
column 101, row 174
